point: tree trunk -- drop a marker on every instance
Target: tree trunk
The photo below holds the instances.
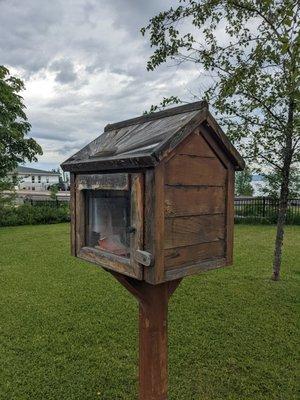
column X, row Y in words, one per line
column 283, row 205
column 284, row 192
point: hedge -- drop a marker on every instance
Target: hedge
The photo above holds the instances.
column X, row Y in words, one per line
column 27, row 214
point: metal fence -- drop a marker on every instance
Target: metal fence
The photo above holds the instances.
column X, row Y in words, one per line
column 247, row 209
column 264, row 209
column 46, row 203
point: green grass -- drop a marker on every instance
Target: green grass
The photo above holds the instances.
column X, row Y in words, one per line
column 68, row 330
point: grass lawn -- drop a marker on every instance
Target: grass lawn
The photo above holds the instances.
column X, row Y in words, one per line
column 68, row 330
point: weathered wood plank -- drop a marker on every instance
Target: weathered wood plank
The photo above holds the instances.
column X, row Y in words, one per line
column 195, row 145
column 191, row 170
column 220, row 152
column 177, row 257
column 186, row 231
column 72, row 214
column 159, row 212
column 107, row 260
column 186, row 270
column 223, row 141
column 167, row 146
column 230, row 215
column 153, row 342
column 80, row 223
column 149, row 223
column 183, row 201
column 137, row 222
column 103, row 181
column 115, row 163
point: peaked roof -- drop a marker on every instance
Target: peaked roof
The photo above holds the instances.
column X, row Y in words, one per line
column 27, row 170
column 143, row 141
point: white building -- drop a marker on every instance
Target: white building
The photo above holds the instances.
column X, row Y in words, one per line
column 35, row 179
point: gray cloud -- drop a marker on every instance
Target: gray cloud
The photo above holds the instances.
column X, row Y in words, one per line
column 83, row 63
column 65, row 71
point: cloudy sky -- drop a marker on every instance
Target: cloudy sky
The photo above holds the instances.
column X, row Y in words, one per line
column 84, row 65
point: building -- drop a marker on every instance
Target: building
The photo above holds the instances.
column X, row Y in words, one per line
column 35, row 179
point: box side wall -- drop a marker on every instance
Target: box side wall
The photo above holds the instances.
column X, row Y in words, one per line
column 195, row 191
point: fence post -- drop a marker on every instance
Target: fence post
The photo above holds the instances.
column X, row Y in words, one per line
column 264, row 207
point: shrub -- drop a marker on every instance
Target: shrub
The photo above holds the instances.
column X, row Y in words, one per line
column 269, row 219
column 28, row 214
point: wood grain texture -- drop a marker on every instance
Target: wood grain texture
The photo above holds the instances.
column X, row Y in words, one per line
column 107, row 260
column 72, row 206
column 195, row 207
column 167, row 146
column 149, row 223
column 153, row 334
column 117, row 163
column 146, row 140
column 196, row 268
column 177, row 257
column 193, row 170
column 80, row 223
column 137, row 221
column 153, row 343
column 184, row 201
column 159, row 223
column 237, row 160
column 196, row 145
column 219, row 151
column 230, row 215
column 129, row 267
column 187, row 231
column 103, row 181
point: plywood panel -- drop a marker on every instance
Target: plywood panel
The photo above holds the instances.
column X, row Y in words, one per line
column 185, row 169
column 185, row 231
column 177, row 257
column 183, row 201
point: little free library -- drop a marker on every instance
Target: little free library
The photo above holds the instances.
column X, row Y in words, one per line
column 152, row 201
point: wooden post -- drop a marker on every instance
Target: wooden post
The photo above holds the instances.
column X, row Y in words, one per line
column 153, row 337
column 153, row 334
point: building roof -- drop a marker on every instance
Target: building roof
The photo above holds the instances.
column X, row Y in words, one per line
column 27, row 170
column 144, row 141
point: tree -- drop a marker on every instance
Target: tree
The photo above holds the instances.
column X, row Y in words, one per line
column 273, row 179
column 15, row 146
column 243, row 181
column 53, row 191
column 250, row 50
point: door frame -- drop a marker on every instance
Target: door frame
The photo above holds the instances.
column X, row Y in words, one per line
column 134, row 183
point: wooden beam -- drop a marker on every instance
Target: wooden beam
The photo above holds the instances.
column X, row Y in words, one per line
column 153, row 334
column 72, row 214
column 153, row 343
